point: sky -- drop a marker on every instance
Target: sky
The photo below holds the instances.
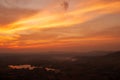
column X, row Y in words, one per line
column 59, row 25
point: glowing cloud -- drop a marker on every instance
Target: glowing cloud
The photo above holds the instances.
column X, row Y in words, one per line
column 52, row 19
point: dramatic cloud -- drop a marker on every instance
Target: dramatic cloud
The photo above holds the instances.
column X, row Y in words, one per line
column 69, row 23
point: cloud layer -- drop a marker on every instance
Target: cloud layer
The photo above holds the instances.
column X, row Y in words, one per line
column 85, row 23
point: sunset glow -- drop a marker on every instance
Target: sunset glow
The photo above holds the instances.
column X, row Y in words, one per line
column 86, row 24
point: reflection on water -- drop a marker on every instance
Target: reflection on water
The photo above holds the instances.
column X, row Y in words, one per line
column 22, row 67
column 52, row 69
column 30, row 67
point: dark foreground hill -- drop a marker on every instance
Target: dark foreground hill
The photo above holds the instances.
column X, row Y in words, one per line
column 61, row 67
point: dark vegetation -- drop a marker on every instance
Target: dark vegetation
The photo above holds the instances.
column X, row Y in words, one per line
column 72, row 66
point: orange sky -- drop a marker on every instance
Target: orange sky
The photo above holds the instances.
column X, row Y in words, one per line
column 82, row 25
